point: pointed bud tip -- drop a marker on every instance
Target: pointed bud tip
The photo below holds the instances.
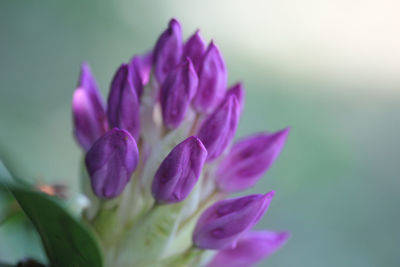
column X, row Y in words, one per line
column 79, row 98
column 238, row 91
column 213, row 46
column 174, row 23
column 238, row 84
column 284, row 235
column 270, row 194
column 85, row 70
column 197, row 36
column 84, row 64
column 174, row 26
column 233, row 101
column 198, row 143
column 281, row 134
column 285, row 131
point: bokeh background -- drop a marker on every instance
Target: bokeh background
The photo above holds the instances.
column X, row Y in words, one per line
column 329, row 69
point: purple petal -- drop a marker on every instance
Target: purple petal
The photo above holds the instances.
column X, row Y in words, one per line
column 168, row 50
column 221, row 225
column 250, row 249
column 238, row 91
column 87, row 81
column 194, row 48
column 212, row 80
column 89, row 118
column 219, row 128
column 176, row 93
column 179, row 172
column 123, row 103
column 140, row 68
column 111, row 161
column 249, row 159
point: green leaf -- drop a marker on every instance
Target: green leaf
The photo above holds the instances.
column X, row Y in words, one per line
column 66, row 241
column 19, row 240
column 5, row 176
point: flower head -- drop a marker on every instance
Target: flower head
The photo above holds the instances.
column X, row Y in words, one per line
column 173, row 107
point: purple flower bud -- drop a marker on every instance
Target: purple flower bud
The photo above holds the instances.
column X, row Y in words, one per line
column 177, row 91
column 194, row 49
column 140, row 68
column 219, row 128
column 212, row 80
column 123, row 103
column 250, row 249
column 238, row 91
column 89, row 118
column 222, row 224
column 87, row 81
column 168, row 50
column 88, row 109
column 179, row 171
column 249, row 159
column 111, row 161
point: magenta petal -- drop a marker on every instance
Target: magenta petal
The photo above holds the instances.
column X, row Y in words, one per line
column 249, row 159
column 219, row 128
column 87, row 81
column 123, row 103
column 140, row 68
column 88, row 109
column 168, row 50
column 89, row 118
column 110, row 163
column 238, row 91
column 179, row 172
column 212, row 80
column 194, row 49
column 253, row 247
column 221, row 225
column 177, row 91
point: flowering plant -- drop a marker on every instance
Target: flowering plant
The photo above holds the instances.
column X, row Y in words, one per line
column 159, row 167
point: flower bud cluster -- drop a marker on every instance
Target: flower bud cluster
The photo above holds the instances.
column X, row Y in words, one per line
column 161, row 163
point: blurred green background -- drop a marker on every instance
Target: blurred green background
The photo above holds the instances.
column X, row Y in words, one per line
column 329, row 69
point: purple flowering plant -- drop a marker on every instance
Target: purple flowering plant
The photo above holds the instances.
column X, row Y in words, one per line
column 160, row 163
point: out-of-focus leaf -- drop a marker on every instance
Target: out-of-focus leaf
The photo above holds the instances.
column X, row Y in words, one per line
column 66, row 241
column 5, row 176
column 18, row 240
